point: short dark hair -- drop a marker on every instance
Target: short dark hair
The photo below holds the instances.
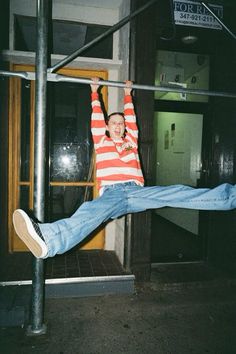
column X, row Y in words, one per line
column 107, row 118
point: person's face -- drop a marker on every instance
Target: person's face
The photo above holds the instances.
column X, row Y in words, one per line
column 116, row 126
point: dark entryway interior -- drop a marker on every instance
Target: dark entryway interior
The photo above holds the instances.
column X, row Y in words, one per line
column 169, row 242
column 73, row 264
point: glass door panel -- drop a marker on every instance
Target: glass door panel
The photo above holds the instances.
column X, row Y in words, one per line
column 65, row 200
column 70, row 137
column 25, row 131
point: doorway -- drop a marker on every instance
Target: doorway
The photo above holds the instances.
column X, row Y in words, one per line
column 176, row 233
column 70, row 162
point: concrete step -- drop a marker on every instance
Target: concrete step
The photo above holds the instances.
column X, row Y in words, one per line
column 15, row 296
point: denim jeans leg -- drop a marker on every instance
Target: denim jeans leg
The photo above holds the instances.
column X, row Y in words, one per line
column 222, row 197
column 120, row 199
column 62, row 235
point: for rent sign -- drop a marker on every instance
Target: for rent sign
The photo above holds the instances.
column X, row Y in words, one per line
column 193, row 13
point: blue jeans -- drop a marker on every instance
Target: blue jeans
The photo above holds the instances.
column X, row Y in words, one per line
column 123, row 198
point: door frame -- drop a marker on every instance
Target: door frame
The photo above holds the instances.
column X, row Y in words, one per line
column 14, row 153
column 195, row 108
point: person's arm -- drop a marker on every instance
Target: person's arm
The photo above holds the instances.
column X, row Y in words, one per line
column 98, row 126
column 130, row 117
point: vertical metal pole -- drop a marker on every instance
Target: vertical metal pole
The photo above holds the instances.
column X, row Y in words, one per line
column 128, row 243
column 37, row 327
column 218, row 20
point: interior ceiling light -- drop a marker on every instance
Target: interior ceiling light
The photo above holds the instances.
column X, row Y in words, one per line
column 189, row 39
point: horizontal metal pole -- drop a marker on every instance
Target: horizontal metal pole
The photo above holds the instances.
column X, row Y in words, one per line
column 72, row 280
column 111, row 30
column 20, row 74
column 169, row 88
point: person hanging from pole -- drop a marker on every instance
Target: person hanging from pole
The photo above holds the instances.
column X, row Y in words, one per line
column 121, row 186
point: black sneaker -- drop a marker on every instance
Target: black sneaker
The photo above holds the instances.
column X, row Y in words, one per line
column 30, row 233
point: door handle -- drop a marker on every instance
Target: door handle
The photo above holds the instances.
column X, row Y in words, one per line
column 201, row 171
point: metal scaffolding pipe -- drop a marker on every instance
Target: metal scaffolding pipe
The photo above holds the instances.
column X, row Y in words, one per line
column 128, row 243
column 37, row 327
column 218, row 20
column 20, row 74
column 111, row 30
column 170, row 88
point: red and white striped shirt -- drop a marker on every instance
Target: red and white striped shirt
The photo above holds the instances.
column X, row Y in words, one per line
column 116, row 161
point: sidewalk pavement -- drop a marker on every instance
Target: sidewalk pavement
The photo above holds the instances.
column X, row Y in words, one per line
column 185, row 318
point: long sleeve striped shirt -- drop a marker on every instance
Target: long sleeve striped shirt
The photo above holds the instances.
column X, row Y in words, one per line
column 116, row 161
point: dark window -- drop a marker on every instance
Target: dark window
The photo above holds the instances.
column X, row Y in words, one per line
column 66, row 37
column 25, row 131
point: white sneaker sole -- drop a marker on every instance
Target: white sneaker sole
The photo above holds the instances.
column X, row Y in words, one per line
column 26, row 232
